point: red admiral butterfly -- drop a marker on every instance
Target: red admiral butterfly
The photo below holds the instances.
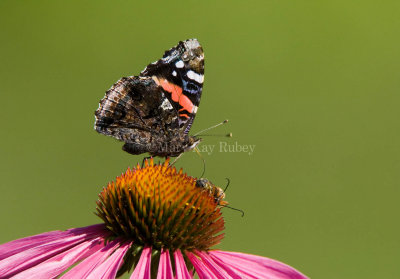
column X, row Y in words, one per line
column 153, row 112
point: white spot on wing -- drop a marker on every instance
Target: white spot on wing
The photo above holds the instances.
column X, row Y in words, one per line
column 195, row 76
column 192, row 44
column 179, row 64
column 174, row 73
column 166, row 105
column 195, row 109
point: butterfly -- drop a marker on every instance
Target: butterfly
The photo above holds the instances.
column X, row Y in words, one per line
column 153, row 112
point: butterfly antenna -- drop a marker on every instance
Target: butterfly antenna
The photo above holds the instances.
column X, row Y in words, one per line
column 229, row 135
column 235, row 209
column 202, row 158
column 212, row 127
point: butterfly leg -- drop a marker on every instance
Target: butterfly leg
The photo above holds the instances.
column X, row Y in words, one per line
column 176, row 159
column 145, row 159
column 202, row 158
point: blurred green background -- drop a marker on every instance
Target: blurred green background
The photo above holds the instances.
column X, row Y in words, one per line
column 314, row 85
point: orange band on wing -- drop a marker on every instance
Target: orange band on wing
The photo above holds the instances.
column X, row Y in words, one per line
column 176, row 94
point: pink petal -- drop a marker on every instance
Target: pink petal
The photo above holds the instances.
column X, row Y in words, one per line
column 254, row 266
column 56, row 265
column 98, row 229
column 208, row 263
column 202, row 269
column 165, row 267
column 16, row 246
column 83, row 269
column 109, row 268
column 180, row 266
column 142, row 269
column 235, row 274
column 35, row 255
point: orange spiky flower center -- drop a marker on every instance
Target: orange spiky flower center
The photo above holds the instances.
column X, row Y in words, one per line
column 160, row 207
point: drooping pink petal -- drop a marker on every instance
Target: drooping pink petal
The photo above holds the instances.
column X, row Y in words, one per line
column 16, row 246
column 204, row 271
column 83, row 269
column 235, row 274
column 32, row 255
column 97, row 229
column 109, row 268
column 59, row 263
column 142, row 269
column 206, row 267
column 180, row 266
column 164, row 266
column 254, row 266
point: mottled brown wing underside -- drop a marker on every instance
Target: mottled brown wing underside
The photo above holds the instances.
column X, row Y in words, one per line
column 153, row 112
column 132, row 111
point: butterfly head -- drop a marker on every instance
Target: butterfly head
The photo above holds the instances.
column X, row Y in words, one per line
column 192, row 143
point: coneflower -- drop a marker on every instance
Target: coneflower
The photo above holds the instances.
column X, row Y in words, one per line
column 156, row 221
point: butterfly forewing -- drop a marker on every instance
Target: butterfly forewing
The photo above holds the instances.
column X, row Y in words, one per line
column 181, row 74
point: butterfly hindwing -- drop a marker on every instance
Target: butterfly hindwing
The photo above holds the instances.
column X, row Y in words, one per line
column 128, row 109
